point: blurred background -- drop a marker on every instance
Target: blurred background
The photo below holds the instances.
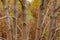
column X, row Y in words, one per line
column 36, row 19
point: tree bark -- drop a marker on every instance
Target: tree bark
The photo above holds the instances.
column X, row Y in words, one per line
column 5, row 7
column 38, row 35
column 15, row 21
column 52, row 32
column 24, row 21
column 24, row 25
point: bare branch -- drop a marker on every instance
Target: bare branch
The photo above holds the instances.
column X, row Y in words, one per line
column 57, row 9
column 3, row 17
column 19, row 28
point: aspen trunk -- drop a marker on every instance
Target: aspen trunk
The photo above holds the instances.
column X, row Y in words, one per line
column 15, row 21
column 24, row 35
column 5, row 6
column 52, row 32
column 38, row 35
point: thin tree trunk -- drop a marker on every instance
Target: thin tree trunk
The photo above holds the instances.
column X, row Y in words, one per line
column 5, row 6
column 25, row 33
column 38, row 35
column 15, row 21
column 52, row 32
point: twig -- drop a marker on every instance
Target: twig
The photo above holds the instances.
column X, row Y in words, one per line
column 57, row 9
column 45, row 28
column 3, row 17
column 19, row 28
column 2, row 38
